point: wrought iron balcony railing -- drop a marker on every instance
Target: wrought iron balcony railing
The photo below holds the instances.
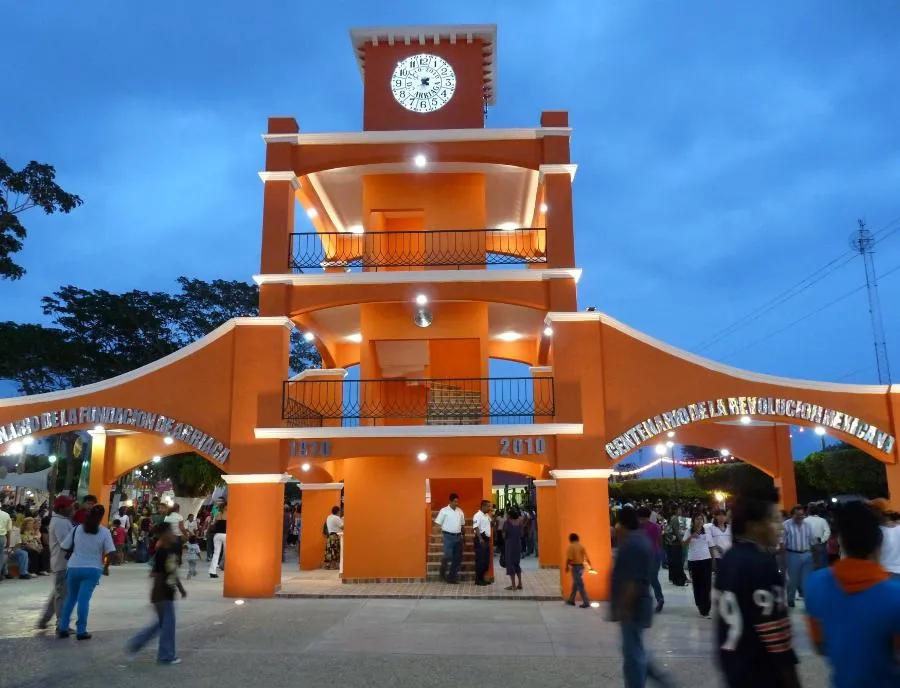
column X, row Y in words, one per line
column 402, row 401
column 455, row 248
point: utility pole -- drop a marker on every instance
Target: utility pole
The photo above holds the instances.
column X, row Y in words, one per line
column 863, row 242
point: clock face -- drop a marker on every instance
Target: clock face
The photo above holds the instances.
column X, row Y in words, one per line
column 423, row 82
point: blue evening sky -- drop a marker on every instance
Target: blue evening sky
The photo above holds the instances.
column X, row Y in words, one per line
column 725, row 149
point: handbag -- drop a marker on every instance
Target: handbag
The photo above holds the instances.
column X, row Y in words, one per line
column 68, row 552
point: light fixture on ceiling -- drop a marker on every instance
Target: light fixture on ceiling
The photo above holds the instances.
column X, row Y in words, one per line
column 356, row 229
column 420, row 161
column 99, row 428
column 305, row 467
column 670, row 444
column 156, row 459
column 421, row 299
column 308, row 336
column 724, row 452
column 27, row 441
column 423, row 317
column 508, row 226
column 356, row 337
column 544, row 207
column 168, row 440
column 670, row 434
column 311, row 213
column 509, row 336
column 422, row 456
column 746, row 420
column 548, row 331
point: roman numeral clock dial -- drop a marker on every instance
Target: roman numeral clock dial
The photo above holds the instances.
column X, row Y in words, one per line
column 423, row 82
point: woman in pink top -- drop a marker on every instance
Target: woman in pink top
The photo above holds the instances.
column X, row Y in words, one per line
column 654, row 533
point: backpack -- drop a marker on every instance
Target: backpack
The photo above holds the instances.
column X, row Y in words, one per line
column 325, row 529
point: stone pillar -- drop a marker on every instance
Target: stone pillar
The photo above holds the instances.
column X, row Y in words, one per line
column 548, row 524
column 785, row 479
column 582, row 497
column 253, row 544
column 317, row 502
column 102, row 452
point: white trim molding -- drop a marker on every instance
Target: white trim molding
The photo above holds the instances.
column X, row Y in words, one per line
column 581, row 473
column 321, row 486
column 574, row 316
column 280, row 176
column 376, row 431
column 560, row 168
column 319, row 372
column 256, row 478
column 418, row 136
column 545, row 483
column 164, row 362
column 418, row 277
column 537, row 370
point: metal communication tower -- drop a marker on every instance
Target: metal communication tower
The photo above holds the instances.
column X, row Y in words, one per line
column 863, row 242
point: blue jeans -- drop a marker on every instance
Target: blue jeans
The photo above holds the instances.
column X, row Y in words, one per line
column 80, row 584
column 637, row 665
column 452, row 556
column 165, row 626
column 578, row 584
column 21, row 557
column 799, row 566
column 482, row 557
column 654, row 580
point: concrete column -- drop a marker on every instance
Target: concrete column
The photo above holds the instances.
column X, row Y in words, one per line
column 785, row 479
column 102, row 452
column 318, row 500
column 548, row 524
column 254, row 537
column 582, row 498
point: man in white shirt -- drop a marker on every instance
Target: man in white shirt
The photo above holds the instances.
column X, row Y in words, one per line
column 176, row 522
column 821, row 532
column 481, row 525
column 60, row 526
column 5, row 532
column 451, row 521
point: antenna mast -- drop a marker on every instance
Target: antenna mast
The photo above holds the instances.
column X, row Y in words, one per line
column 863, row 242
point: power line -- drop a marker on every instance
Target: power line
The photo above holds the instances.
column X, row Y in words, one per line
column 809, row 315
column 795, row 290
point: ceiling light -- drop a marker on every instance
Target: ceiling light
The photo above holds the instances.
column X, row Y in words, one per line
column 508, row 226
column 548, row 331
column 422, row 317
column 304, row 467
column 27, row 441
column 544, row 207
column 355, row 229
column 311, row 213
column 422, row 456
column 15, row 448
column 308, row 336
column 420, row 161
column 157, row 459
column 509, row 336
column 820, row 431
column 98, row 428
column 724, row 452
column 670, row 434
column 421, row 300
column 746, row 420
column 670, row 444
column 168, row 440
column 356, row 337
column 660, row 449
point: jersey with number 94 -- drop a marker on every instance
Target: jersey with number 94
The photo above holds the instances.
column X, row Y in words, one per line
column 754, row 630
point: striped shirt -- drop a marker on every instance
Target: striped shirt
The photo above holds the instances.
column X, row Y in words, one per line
column 797, row 538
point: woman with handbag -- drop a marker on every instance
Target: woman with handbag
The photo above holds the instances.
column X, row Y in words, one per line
column 88, row 545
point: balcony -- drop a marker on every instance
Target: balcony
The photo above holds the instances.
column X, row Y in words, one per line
column 401, row 401
column 458, row 249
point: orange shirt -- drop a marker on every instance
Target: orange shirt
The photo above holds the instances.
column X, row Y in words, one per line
column 576, row 554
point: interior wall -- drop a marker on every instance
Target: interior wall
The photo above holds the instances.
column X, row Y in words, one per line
column 432, row 194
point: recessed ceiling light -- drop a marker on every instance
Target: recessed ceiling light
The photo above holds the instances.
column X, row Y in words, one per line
column 305, row 467
column 356, row 229
column 421, row 300
column 422, row 456
column 168, row 440
column 420, row 161
column 311, row 213
column 508, row 226
column 509, row 336
column 724, row 452
column 544, row 207
column 356, row 337
column 308, row 336
column 157, row 459
column 670, row 434
column 548, row 331
column 746, row 420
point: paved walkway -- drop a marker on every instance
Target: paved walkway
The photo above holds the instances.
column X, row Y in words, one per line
column 345, row 643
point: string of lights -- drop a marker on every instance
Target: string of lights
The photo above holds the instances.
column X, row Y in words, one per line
column 689, row 463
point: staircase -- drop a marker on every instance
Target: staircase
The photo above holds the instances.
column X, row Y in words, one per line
column 436, row 551
column 449, row 405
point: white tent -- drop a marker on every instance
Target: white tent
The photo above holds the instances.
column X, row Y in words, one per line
column 30, row 481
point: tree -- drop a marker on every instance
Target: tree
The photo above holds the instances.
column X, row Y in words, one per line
column 97, row 334
column 843, row 469
column 733, row 478
column 34, row 186
column 692, row 451
column 190, row 474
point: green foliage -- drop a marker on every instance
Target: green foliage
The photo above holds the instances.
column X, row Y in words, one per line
column 191, row 475
column 658, row 488
column 34, row 186
column 842, row 469
column 733, row 478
